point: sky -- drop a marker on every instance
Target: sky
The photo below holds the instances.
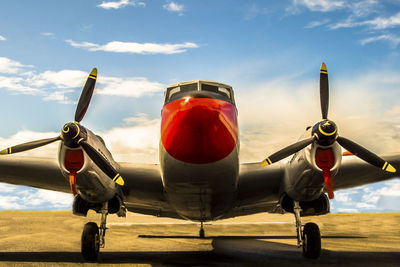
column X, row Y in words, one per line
column 269, row 51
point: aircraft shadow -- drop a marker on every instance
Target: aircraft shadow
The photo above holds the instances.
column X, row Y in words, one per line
column 244, row 237
column 224, row 252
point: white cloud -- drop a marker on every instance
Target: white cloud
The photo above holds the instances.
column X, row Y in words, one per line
column 120, row 4
column 392, row 39
column 251, row 11
column 379, row 23
column 48, row 34
column 60, row 79
column 15, row 197
column 82, row 44
column 137, row 141
column 2, row 38
column 316, row 5
column 174, row 7
column 314, row 24
column 11, row 66
column 135, row 48
column 58, row 85
column 129, row 87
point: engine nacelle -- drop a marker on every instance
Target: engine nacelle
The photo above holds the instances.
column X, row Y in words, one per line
column 319, row 206
column 303, row 179
column 81, row 207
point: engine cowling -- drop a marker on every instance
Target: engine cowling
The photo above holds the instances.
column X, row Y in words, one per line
column 304, row 175
column 319, row 206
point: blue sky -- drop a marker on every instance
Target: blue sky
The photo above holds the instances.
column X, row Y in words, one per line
column 269, row 51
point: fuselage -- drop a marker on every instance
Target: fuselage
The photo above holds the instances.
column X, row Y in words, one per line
column 199, row 149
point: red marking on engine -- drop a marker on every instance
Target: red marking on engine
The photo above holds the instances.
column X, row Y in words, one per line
column 73, row 163
column 199, row 130
column 325, row 160
column 347, row 153
column 72, row 182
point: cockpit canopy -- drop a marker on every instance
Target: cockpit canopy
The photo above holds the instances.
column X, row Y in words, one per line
column 176, row 89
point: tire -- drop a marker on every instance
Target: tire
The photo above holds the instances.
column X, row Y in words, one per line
column 311, row 241
column 201, row 233
column 90, row 243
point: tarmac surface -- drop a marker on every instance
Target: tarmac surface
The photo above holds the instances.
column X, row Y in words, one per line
column 53, row 238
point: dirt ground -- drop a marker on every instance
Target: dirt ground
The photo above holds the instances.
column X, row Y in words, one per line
column 43, row 238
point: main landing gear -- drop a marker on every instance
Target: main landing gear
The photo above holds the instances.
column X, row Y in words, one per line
column 93, row 236
column 308, row 237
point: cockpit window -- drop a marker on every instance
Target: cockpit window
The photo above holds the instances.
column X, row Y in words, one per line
column 219, row 90
column 173, row 91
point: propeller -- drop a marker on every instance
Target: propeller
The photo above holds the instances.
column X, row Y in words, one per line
column 74, row 135
column 325, row 133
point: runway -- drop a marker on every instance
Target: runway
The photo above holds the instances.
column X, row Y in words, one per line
column 43, row 238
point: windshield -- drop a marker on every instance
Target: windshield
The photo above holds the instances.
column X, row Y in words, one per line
column 174, row 91
column 216, row 89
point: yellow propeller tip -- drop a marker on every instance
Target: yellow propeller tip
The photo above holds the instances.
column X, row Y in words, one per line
column 4, row 152
column 120, row 181
column 390, row 168
column 323, row 67
column 94, row 72
column 264, row 163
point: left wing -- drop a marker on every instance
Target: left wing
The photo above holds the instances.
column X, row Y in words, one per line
column 355, row 172
column 258, row 189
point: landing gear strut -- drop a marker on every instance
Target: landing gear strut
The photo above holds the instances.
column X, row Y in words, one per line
column 93, row 236
column 201, row 232
column 308, row 237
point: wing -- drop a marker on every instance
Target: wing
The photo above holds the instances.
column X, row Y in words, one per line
column 356, row 172
column 36, row 172
column 258, row 189
column 143, row 190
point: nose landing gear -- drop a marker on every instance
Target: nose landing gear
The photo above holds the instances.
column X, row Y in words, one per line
column 308, row 237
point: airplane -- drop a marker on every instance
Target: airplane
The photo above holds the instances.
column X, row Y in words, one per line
column 199, row 177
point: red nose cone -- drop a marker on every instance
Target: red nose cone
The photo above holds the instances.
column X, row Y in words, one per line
column 199, row 130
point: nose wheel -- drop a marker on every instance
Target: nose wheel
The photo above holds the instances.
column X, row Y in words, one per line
column 93, row 236
column 308, row 237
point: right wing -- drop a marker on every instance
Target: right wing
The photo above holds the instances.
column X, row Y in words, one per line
column 143, row 185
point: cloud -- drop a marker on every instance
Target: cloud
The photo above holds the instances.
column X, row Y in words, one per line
column 58, row 85
column 392, row 39
column 129, row 87
column 13, row 197
column 59, row 79
column 120, row 4
column 315, row 5
column 252, row 11
column 174, row 7
column 314, row 24
column 2, row 38
column 379, row 23
column 135, row 48
column 11, row 66
column 136, row 141
column 48, row 34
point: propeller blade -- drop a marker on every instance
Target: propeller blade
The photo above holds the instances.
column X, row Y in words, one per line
column 86, row 95
column 102, row 163
column 29, row 145
column 365, row 154
column 324, row 91
column 287, row 151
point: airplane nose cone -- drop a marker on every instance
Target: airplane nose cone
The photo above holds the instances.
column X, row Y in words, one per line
column 199, row 130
